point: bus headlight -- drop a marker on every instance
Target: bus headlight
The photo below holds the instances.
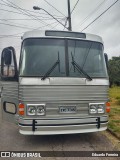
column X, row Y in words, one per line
column 41, row 110
column 31, row 110
column 93, row 109
column 96, row 108
column 36, row 109
column 101, row 108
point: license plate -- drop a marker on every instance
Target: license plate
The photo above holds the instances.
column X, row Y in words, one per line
column 67, row 109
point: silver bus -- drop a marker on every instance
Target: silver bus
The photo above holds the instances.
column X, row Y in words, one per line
column 0, row 80
column 61, row 86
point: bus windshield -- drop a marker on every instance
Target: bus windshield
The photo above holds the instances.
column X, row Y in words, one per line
column 38, row 55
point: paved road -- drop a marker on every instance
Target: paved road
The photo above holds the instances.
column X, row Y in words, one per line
column 11, row 140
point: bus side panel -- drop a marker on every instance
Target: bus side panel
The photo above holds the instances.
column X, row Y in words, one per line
column 9, row 98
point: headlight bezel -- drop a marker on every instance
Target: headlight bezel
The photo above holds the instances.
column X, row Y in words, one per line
column 99, row 110
column 36, row 106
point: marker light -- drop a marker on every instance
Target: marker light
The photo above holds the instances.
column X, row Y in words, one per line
column 21, row 109
column 107, row 107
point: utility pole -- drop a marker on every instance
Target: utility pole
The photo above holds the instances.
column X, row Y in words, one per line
column 69, row 17
column 38, row 8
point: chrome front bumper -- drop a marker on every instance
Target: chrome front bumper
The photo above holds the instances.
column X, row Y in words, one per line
column 62, row 126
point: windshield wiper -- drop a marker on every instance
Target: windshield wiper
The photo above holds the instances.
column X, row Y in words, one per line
column 52, row 68
column 79, row 68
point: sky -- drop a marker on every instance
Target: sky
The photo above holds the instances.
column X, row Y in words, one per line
column 18, row 16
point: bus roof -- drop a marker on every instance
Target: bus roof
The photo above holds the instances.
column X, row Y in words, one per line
column 61, row 34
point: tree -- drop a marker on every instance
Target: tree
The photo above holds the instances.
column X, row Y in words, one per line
column 114, row 70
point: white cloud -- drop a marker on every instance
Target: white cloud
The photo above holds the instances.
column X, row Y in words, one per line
column 106, row 26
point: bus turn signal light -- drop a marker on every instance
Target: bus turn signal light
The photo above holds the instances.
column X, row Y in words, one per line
column 21, row 109
column 107, row 107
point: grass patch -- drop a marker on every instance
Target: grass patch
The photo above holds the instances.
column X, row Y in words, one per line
column 114, row 92
column 114, row 115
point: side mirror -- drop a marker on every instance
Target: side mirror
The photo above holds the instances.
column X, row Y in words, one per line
column 9, row 108
column 106, row 59
column 9, row 64
column 7, row 56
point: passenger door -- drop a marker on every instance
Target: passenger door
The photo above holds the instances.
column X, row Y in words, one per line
column 9, row 82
